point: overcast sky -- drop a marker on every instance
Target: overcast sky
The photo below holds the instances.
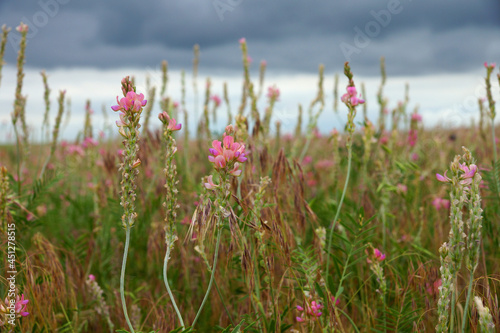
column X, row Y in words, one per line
column 416, row 37
column 424, row 38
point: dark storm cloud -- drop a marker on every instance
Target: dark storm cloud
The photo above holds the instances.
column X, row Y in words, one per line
column 416, row 37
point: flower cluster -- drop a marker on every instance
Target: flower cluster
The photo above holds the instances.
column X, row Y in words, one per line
column 465, row 177
column 131, row 106
column 491, row 65
column 216, row 99
column 377, row 256
column 273, row 93
column 227, row 155
column 351, row 97
column 132, row 102
column 313, row 310
column 441, row 203
column 170, row 123
column 13, row 309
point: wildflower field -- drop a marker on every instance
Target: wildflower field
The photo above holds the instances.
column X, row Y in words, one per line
column 378, row 226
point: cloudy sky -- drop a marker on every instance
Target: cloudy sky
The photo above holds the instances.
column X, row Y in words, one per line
column 438, row 47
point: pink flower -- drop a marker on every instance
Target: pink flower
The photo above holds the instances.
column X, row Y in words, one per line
column 414, row 157
column 170, row 122
column 335, row 302
column 324, row 164
column 75, row 150
column 216, row 100
column 89, row 142
column 491, row 65
column 307, row 159
column 299, row 319
column 416, row 117
column 441, row 203
column 314, row 309
column 20, row 306
column 402, row 188
column 227, row 153
column 263, row 63
column 273, row 93
column 210, row 183
column 351, row 97
column 22, row 28
column 300, row 308
column 376, row 255
column 132, row 102
column 412, row 137
column 443, row 179
column 91, row 277
column 243, row 40
column 249, row 59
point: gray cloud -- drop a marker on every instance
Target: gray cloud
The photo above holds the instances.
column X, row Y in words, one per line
column 292, row 35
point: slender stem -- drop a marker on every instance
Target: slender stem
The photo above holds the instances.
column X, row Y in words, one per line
column 349, row 158
column 214, row 266
column 223, row 303
column 165, row 264
column 385, row 314
column 493, row 139
column 122, row 278
column 18, row 157
column 384, row 224
column 469, row 294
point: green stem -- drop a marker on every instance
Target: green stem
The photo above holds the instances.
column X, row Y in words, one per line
column 224, row 303
column 349, row 158
column 493, row 139
column 469, row 294
column 214, row 266
column 18, row 156
column 165, row 264
column 122, row 278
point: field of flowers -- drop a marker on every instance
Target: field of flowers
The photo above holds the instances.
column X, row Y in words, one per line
column 376, row 227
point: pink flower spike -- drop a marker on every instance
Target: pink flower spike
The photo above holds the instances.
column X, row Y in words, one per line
column 416, row 117
column 210, row 183
column 243, row 40
column 216, row 100
column 22, row 27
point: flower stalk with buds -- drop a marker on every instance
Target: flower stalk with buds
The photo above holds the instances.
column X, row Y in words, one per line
column 351, row 100
column 130, row 108
column 465, row 182
column 491, row 103
column 227, row 157
column 169, row 126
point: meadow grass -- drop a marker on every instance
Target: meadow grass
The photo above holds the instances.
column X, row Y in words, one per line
column 247, row 229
